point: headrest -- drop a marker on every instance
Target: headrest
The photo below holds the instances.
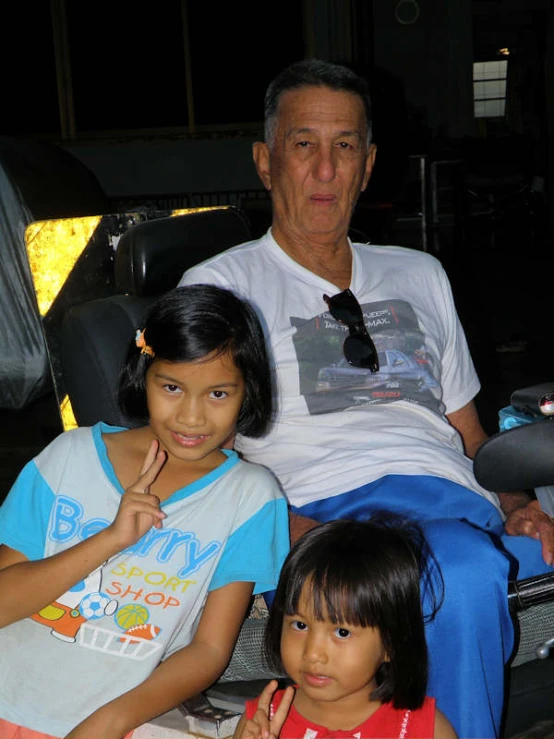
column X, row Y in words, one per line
column 94, row 340
column 518, row 459
column 151, row 256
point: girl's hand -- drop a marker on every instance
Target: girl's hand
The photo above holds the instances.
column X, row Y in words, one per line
column 138, row 509
column 262, row 725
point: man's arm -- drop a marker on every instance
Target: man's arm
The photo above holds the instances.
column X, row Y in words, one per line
column 524, row 516
column 187, row 672
column 466, row 422
column 300, row 525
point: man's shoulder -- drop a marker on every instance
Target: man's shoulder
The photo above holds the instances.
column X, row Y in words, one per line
column 395, row 251
column 235, row 256
column 258, row 475
column 401, row 257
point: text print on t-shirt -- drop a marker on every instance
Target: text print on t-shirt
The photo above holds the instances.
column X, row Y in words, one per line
column 329, row 383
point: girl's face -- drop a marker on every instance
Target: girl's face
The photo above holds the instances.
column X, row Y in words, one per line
column 193, row 406
column 331, row 663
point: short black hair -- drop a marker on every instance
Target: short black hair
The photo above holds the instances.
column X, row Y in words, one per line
column 365, row 573
column 313, row 73
column 185, row 325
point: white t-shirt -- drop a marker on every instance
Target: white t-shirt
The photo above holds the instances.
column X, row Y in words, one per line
column 109, row 632
column 339, row 427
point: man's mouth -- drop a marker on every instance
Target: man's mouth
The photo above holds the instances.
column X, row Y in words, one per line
column 323, row 198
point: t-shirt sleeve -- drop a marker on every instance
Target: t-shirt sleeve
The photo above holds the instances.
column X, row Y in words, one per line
column 459, row 379
column 256, row 550
column 202, row 275
column 25, row 513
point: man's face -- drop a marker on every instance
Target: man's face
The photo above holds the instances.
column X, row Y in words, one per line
column 318, row 164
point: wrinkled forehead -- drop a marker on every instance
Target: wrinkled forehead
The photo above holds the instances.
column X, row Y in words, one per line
column 311, row 107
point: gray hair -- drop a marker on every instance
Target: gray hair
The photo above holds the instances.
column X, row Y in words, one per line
column 313, row 73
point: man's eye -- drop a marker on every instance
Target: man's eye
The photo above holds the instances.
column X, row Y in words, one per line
column 298, row 625
column 345, row 145
column 218, row 394
column 342, row 633
column 303, row 144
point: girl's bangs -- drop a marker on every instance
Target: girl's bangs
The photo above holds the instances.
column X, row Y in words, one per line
column 334, row 596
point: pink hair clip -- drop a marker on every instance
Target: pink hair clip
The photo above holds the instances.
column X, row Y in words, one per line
column 140, row 341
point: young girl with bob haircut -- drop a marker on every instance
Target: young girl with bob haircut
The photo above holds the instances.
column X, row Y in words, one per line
column 347, row 627
column 129, row 556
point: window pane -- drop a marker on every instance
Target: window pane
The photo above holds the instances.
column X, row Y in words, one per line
column 478, row 71
column 489, row 108
column 490, row 70
column 495, row 108
column 479, row 109
column 489, row 88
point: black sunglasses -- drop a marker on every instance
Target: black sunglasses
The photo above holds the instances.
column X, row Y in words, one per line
column 358, row 347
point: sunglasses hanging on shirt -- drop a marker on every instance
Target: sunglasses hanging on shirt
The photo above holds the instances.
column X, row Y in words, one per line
column 358, row 348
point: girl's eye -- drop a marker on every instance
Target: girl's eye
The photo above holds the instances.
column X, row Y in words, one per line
column 298, row 625
column 342, row 633
column 218, row 394
column 172, row 388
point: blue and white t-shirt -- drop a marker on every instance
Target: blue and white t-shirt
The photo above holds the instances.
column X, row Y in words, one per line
column 108, row 633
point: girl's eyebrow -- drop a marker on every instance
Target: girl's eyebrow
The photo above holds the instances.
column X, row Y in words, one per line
column 175, row 381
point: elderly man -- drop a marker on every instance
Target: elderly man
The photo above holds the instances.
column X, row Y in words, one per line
column 376, row 383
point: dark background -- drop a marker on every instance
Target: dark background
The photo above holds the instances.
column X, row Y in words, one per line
column 162, row 104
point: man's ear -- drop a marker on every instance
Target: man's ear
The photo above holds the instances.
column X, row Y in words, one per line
column 260, row 152
column 369, row 162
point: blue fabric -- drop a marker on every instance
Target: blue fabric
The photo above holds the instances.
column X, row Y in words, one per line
column 25, row 512
column 247, row 551
column 472, row 636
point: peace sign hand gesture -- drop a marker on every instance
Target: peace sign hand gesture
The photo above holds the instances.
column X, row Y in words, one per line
column 263, row 725
column 138, row 509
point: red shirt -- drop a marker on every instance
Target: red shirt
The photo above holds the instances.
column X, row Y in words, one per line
column 386, row 723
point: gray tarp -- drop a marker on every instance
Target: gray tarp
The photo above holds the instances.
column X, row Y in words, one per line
column 37, row 181
column 24, row 370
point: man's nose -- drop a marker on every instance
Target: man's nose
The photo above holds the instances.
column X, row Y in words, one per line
column 325, row 165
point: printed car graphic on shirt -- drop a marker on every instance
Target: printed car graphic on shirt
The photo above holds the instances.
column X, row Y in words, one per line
column 394, row 366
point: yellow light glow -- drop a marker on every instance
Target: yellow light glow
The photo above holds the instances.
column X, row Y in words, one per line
column 504, row 52
column 68, row 417
column 183, row 211
column 53, row 247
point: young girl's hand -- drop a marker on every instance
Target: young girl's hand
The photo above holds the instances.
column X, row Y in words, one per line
column 139, row 510
column 262, row 725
